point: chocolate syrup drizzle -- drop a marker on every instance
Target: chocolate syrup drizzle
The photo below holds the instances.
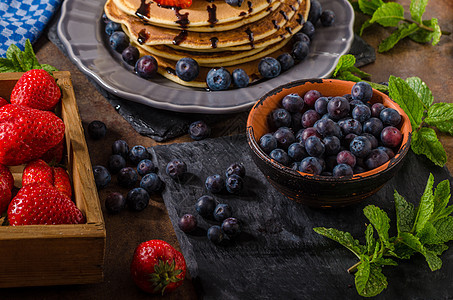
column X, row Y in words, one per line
column 212, row 12
column 243, row 13
column 183, row 19
column 284, row 15
column 249, row 4
column 276, row 26
column 170, row 71
column 143, row 10
column 290, row 31
column 214, row 42
column 300, row 19
column 143, row 36
column 181, row 37
column 251, row 38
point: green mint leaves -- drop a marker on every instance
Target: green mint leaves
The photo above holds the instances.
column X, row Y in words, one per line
column 424, row 230
column 416, row 99
column 22, row 61
column 391, row 14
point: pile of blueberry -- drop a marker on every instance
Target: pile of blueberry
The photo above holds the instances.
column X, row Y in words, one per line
column 333, row 136
column 208, row 208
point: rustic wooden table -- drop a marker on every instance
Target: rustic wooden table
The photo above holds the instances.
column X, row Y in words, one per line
column 434, row 65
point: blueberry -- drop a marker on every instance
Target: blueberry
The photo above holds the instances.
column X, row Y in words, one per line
column 284, row 137
column 120, row 147
column 315, row 11
column 234, row 184
column 351, row 126
column 97, row 130
column 130, row 55
column 231, row 227
column 280, row 117
column 215, row 234
column 105, row 19
column 346, row 157
column 301, row 37
column 115, row 203
column 146, row 66
column 387, row 150
column 115, row 163
column 111, row 27
column 215, row 183
column 218, row 79
column 376, row 109
column 362, row 91
column 327, row 127
column 327, row 18
column 187, row 69
column 338, row 107
column 145, row 166
column 293, row 103
column 286, row 61
column 280, row 156
column 373, row 126
column 360, row 146
column 314, row 146
column 269, row 67
column 127, row 177
column 102, row 176
column 321, row 105
column 296, row 121
column 308, row 29
column 391, row 137
column 309, row 118
column 304, row 134
column 354, row 103
column 361, row 113
column 332, row 145
column 240, row 78
column 296, row 151
column 199, row 130
column 390, row 116
column 187, row 223
column 176, row 168
column 310, row 165
column 311, row 96
column 300, row 50
column 151, row 183
column 236, row 3
column 374, row 141
column 237, row 169
column 341, row 170
column 137, row 153
column 348, row 97
column 346, row 141
column 376, row 158
column 205, row 206
column 119, row 41
column 268, row 142
column 295, row 165
column 222, row 211
column 137, row 199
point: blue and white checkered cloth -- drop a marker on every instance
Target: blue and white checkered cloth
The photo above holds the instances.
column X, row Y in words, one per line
column 24, row 19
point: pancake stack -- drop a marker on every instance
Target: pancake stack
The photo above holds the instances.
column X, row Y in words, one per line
column 212, row 32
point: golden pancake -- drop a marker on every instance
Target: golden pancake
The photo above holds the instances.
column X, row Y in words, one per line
column 201, row 13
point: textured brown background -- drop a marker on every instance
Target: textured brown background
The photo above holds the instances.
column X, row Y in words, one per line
column 126, row 230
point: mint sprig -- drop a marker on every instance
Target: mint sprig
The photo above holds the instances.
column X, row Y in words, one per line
column 392, row 14
column 416, row 99
column 423, row 230
column 22, row 61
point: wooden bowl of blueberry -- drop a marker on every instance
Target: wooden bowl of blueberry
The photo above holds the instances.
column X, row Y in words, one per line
column 327, row 142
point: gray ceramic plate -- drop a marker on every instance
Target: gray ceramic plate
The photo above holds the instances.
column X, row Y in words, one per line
column 80, row 28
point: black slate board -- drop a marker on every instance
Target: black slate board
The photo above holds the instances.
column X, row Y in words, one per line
column 278, row 255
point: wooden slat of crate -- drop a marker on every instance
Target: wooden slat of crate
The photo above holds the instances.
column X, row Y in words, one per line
column 37, row 255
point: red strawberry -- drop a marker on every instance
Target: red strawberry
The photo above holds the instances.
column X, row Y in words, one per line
column 38, row 203
column 157, row 267
column 37, row 171
column 36, row 89
column 6, row 186
column 174, row 3
column 55, row 154
column 61, row 181
column 27, row 133
column 3, row 102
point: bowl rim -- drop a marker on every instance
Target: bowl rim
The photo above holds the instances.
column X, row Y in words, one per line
column 370, row 174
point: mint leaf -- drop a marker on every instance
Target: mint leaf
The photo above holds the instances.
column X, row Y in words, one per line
column 417, row 9
column 7, row 65
column 380, row 221
column 385, row 262
column 434, row 262
column 369, row 279
column 403, row 31
column 359, row 72
column 348, row 76
column 423, row 35
column 437, row 249
column 13, row 54
column 29, row 56
column 428, row 235
column 344, row 63
column 422, row 90
column 389, row 14
column 426, row 206
column 344, row 238
column 402, row 93
column 405, row 213
column 370, row 241
column 444, row 229
column 370, row 6
column 364, row 26
column 413, row 242
column 425, row 141
column 441, row 116
column 437, row 32
column 50, row 69
column 441, row 198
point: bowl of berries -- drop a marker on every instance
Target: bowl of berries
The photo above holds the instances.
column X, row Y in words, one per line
column 328, row 142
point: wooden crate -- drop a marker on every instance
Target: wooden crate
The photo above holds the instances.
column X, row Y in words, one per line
column 38, row 255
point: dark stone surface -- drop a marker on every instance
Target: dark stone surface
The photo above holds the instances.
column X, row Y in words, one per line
column 278, row 255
